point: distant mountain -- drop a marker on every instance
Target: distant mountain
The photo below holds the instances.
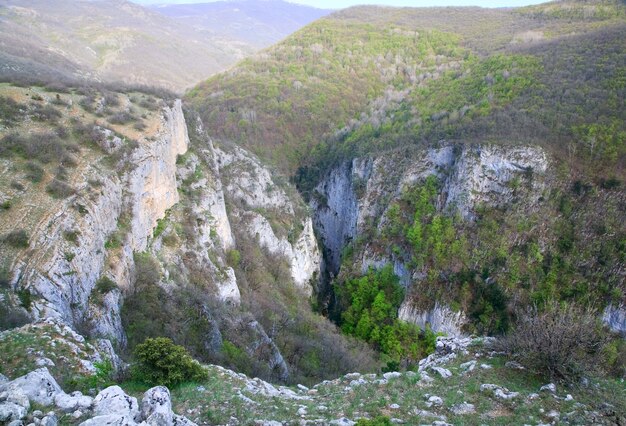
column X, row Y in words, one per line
column 257, row 22
column 110, row 40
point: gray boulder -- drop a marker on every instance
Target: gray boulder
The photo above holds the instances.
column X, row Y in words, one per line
column 10, row 411
column 49, row 420
column 110, row 420
column 39, row 386
column 3, row 379
column 70, row 403
column 156, row 407
column 182, row 421
column 114, row 401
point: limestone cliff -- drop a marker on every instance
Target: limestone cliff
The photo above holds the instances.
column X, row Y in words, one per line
column 355, row 196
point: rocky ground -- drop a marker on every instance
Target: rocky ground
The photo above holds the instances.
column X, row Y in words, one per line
column 462, row 383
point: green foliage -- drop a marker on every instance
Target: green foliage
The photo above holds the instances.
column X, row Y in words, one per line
column 233, row 257
column 10, row 111
column 160, row 362
column 100, row 379
column 161, row 225
column 377, row 421
column 18, row 238
column 105, row 285
column 371, row 310
column 26, row 298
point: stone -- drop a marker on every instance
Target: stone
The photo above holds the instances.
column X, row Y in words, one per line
column 498, row 391
column 77, row 414
column 3, row 379
column 16, row 423
column 394, row 406
column 69, row 403
column 514, row 365
column 184, row 421
column 156, row 407
column 486, row 366
column 37, row 413
column 443, row 372
column 49, row 420
column 18, row 397
column 110, row 420
column 550, row 387
column 434, row 400
column 392, row 375
column 468, row 366
column 301, row 411
column 342, row 422
column 10, row 411
column 39, row 386
column 463, row 409
column 302, row 388
column 569, row 397
column 44, row 362
column 113, row 401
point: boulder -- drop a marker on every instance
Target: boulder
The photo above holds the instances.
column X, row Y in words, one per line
column 110, row 420
column 70, row 403
column 49, row 420
column 182, row 421
column 39, row 386
column 550, row 387
column 10, row 411
column 443, row 372
column 156, row 407
column 18, row 397
column 463, row 408
column 3, row 379
column 113, row 401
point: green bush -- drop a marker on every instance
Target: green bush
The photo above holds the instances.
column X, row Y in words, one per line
column 370, row 312
column 18, row 238
column 377, row 421
column 105, row 285
column 160, row 362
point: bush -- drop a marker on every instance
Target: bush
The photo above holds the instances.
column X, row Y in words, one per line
column 59, row 189
column 105, row 285
column 562, row 341
column 18, row 238
column 160, row 362
column 377, row 421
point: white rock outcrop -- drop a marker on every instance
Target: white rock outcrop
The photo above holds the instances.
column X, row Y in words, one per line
column 38, row 386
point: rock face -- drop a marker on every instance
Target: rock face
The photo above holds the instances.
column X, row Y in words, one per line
column 152, row 183
column 615, row 318
column 440, row 318
column 62, row 284
column 355, row 195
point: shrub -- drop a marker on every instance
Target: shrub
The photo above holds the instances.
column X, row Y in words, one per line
column 561, row 341
column 160, row 362
column 34, row 172
column 377, row 421
column 59, row 189
column 18, row 238
column 105, row 285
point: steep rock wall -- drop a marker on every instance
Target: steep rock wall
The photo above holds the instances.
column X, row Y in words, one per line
column 356, row 194
column 68, row 253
